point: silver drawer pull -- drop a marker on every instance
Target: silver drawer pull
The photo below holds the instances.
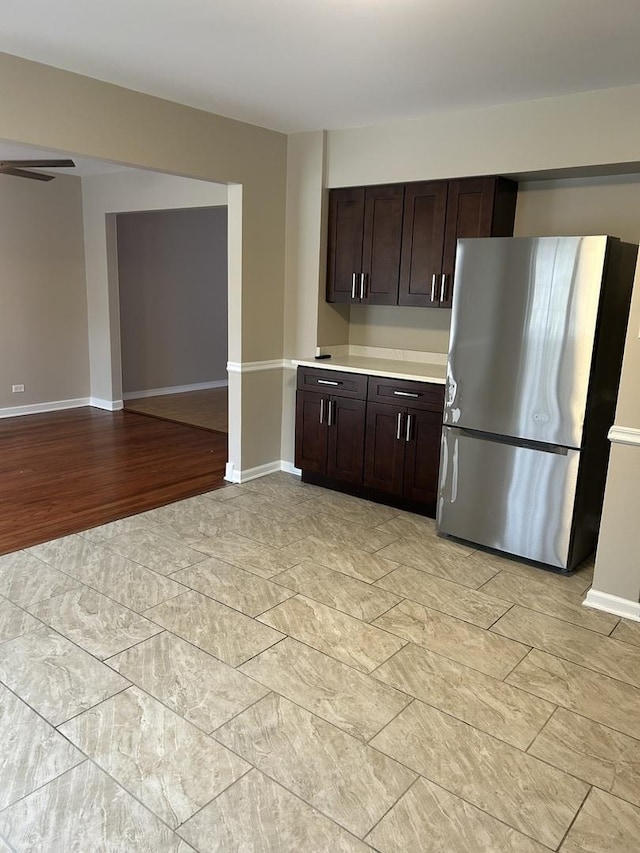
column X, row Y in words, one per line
column 399, row 426
column 402, row 393
column 327, row 382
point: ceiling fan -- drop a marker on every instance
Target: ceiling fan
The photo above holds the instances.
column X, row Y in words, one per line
column 19, row 168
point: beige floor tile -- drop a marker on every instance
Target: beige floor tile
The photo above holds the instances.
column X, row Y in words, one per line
column 14, row 621
column 105, row 532
column 438, row 557
column 342, row 532
column 94, row 622
column 338, row 590
column 604, row 825
column 575, row 583
column 351, row 700
column 599, row 755
column 627, row 631
column 525, row 793
column 155, row 552
column 267, row 531
column 341, row 636
column 407, row 525
column 165, row 762
column 339, row 775
column 247, row 554
column 126, row 582
column 605, row 700
column 453, row 638
column 445, row 596
column 484, row 702
column 354, row 509
column 341, row 558
column 214, row 628
column 66, row 553
column 31, row 751
column 24, row 579
column 554, row 602
column 195, row 685
column 54, row 677
column 82, row 811
column 611, row 657
column 282, row 489
column 241, row 590
column 429, row 819
column 226, row 493
column 256, row 815
column 187, row 520
column 285, row 512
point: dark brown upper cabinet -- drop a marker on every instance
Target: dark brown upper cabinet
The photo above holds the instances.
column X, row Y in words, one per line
column 396, row 244
column 365, row 240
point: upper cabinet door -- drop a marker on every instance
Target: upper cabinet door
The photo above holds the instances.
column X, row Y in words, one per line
column 476, row 207
column 382, row 242
column 346, row 220
column 425, row 206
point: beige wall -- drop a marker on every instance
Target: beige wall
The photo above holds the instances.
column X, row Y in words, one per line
column 43, row 308
column 172, row 282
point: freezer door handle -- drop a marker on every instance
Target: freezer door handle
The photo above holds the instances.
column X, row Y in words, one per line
column 559, row 449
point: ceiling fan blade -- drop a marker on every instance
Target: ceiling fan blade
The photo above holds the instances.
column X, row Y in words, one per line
column 20, row 173
column 39, row 164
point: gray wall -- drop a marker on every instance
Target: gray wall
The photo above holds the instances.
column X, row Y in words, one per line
column 43, row 303
column 172, row 274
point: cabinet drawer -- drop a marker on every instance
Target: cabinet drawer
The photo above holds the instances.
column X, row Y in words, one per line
column 414, row 395
column 333, row 382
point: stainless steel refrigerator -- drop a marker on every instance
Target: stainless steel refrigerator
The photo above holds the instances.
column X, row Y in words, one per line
column 537, row 336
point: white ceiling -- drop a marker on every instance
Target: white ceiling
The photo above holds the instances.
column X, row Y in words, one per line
column 308, row 64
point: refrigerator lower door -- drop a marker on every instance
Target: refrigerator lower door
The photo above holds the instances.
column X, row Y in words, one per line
column 517, row 498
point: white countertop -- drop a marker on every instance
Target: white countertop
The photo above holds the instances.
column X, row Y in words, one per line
column 389, row 367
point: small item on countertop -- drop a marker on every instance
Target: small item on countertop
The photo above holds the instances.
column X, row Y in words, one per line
column 324, row 355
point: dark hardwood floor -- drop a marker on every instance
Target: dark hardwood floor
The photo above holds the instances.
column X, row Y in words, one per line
column 66, row 471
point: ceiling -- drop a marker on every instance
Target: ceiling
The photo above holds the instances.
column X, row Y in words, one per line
column 296, row 65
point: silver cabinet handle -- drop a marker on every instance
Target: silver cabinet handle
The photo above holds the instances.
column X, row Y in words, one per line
column 353, row 285
column 443, row 287
column 362, row 278
column 408, row 432
column 321, row 409
column 327, row 382
column 434, row 278
column 331, row 413
column 405, row 394
column 399, row 426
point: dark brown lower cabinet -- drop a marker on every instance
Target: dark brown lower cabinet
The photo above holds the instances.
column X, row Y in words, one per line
column 347, row 439
column 330, row 436
column 402, row 452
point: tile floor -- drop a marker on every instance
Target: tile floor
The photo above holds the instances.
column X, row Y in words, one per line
column 275, row 667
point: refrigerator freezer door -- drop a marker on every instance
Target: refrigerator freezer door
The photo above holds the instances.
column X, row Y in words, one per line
column 522, row 336
column 510, row 497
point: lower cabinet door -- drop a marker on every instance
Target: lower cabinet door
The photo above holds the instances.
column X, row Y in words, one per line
column 384, row 448
column 422, row 456
column 311, row 431
column 345, row 439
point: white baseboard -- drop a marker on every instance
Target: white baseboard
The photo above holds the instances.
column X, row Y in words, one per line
column 290, row 468
column 40, row 408
column 613, row 604
column 232, row 475
column 108, row 405
column 175, row 389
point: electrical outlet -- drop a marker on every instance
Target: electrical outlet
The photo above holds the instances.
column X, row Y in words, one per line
column 17, row 388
